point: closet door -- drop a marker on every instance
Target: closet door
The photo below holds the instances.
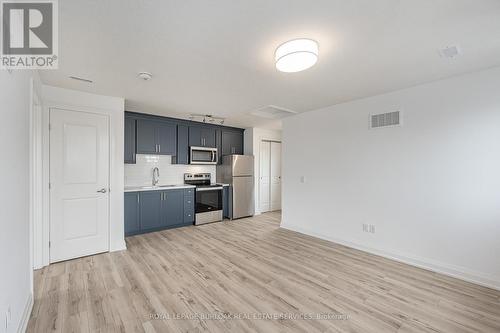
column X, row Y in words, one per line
column 264, row 179
column 275, row 176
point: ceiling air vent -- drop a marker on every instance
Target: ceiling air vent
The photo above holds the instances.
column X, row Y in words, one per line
column 385, row 119
column 272, row 112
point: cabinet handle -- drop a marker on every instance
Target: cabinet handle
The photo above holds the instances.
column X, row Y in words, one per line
column 159, row 148
column 156, row 148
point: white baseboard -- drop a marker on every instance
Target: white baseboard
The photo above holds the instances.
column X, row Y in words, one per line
column 23, row 325
column 431, row 265
column 121, row 246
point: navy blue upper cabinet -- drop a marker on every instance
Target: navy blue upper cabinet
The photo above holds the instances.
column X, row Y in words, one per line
column 195, row 136
column 129, row 152
column 200, row 136
column 182, row 145
column 167, row 138
column 147, row 137
column 148, row 134
column 232, row 143
column 156, row 137
column 208, row 136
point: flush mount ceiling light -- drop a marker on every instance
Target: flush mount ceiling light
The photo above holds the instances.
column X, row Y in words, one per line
column 296, row 55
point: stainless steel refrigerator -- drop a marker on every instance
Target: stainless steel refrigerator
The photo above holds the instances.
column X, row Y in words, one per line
column 238, row 172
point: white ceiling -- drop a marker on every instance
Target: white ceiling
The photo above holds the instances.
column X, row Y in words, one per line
column 216, row 57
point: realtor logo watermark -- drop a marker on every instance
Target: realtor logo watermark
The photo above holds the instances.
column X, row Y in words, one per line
column 29, row 34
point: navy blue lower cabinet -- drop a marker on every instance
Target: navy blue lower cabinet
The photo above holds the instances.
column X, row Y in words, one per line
column 173, row 207
column 157, row 210
column 132, row 222
column 189, row 205
column 151, row 210
column 227, row 202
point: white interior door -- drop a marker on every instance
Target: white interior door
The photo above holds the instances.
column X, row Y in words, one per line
column 264, row 176
column 79, row 178
column 275, row 176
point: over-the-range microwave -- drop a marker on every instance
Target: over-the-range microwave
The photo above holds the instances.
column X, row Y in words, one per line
column 202, row 155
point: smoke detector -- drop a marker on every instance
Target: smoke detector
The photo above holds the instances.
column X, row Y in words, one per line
column 146, row 76
column 450, row 52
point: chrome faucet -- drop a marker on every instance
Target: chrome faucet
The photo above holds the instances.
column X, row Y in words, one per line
column 156, row 176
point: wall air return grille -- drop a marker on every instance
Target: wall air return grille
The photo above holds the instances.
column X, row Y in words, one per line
column 385, row 119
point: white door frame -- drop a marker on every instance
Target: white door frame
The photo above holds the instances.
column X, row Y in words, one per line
column 51, row 97
column 35, row 193
column 261, row 139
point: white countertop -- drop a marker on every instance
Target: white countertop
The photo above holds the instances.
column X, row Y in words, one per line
column 156, row 188
column 161, row 187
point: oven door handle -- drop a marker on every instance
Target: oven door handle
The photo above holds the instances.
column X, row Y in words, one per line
column 201, row 189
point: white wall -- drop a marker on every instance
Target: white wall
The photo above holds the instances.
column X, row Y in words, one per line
column 431, row 187
column 114, row 108
column 141, row 173
column 15, row 247
column 253, row 137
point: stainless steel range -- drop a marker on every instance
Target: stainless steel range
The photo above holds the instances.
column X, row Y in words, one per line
column 208, row 199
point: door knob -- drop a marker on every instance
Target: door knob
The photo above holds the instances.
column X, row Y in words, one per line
column 102, row 190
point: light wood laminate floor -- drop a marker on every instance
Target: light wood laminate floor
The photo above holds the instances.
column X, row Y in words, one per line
column 248, row 268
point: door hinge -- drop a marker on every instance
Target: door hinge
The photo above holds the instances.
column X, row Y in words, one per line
column 50, row 186
column 49, row 243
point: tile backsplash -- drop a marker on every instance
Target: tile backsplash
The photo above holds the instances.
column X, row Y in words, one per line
column 141, row 173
